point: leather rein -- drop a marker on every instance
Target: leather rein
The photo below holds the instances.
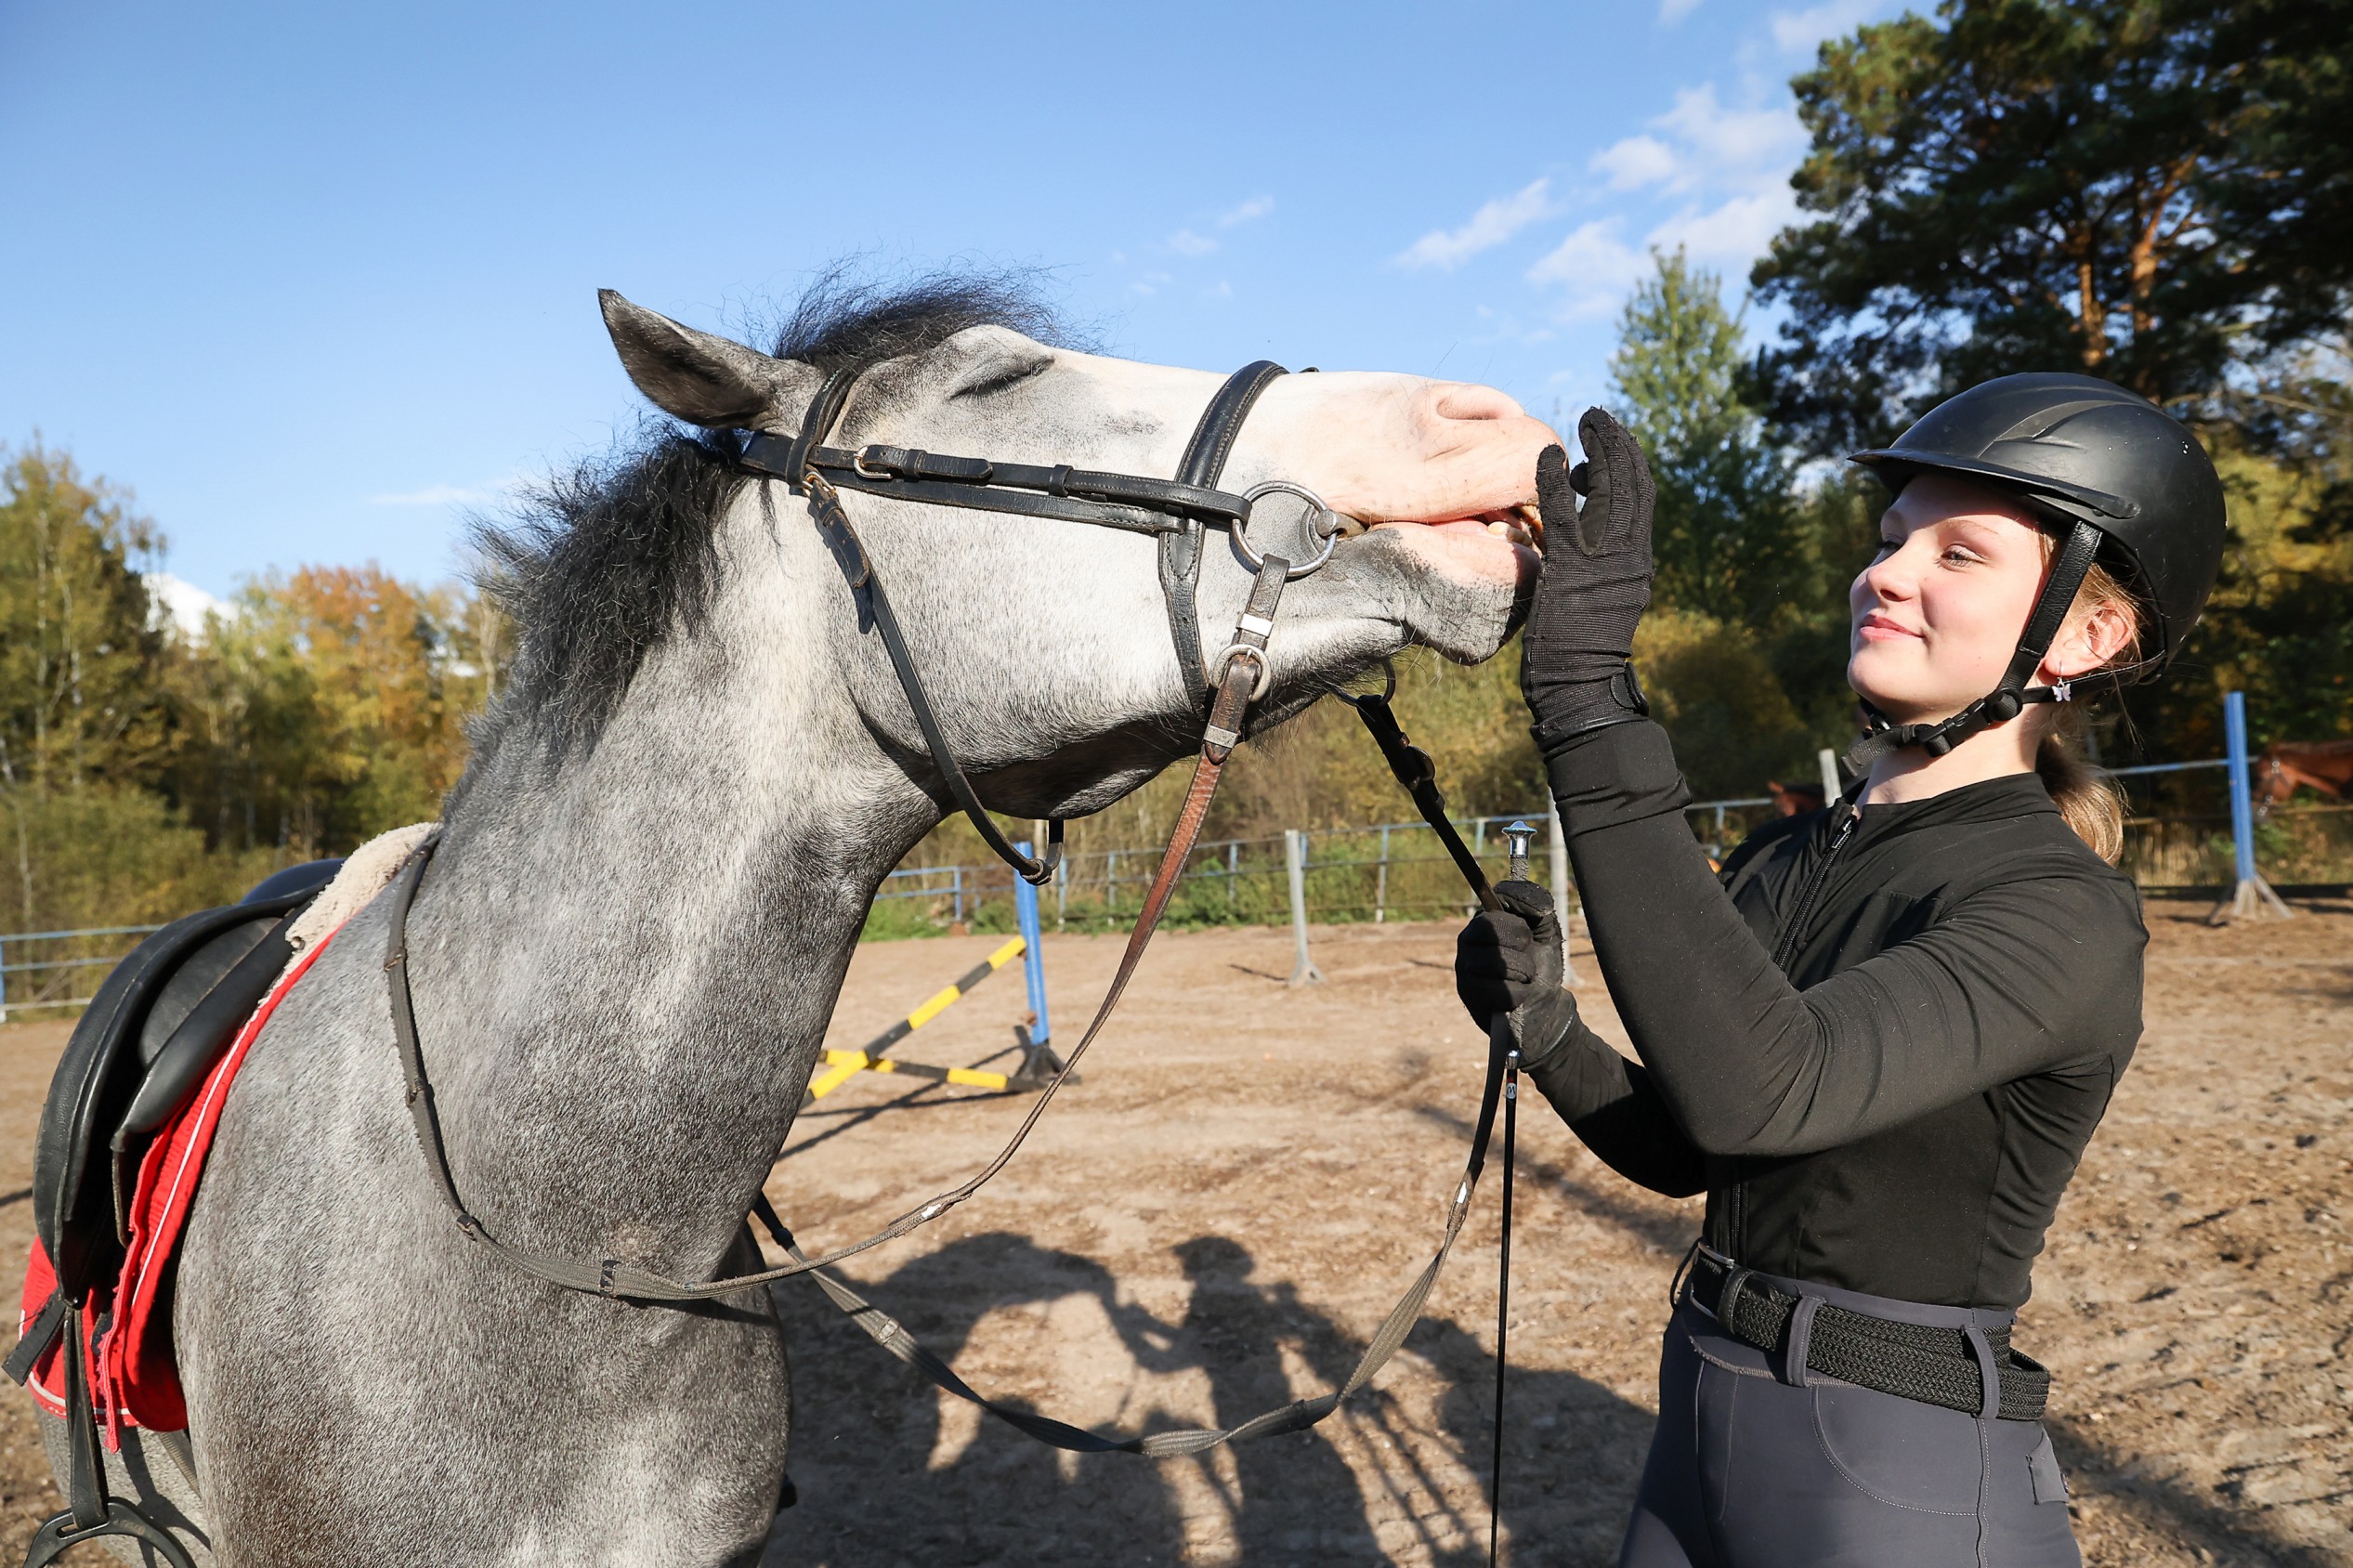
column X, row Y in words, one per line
column 1177, row 511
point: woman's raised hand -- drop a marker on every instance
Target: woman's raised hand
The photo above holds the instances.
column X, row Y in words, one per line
column 1595, row 585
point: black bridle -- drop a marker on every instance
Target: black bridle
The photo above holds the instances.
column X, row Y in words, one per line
column 1176, row 510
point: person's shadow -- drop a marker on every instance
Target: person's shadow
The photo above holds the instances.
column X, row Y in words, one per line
column 865, row 1429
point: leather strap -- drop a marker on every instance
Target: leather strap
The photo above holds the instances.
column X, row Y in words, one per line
column 1298, row 1415
column 90, row 1512
column 1202, row 466
column 1073, row 495
column 858, row 568
column 612, row 1277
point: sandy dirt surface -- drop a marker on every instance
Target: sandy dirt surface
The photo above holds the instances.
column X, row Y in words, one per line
column 1213, row 1220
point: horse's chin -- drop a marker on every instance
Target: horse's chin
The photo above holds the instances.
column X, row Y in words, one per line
column 1463, row 588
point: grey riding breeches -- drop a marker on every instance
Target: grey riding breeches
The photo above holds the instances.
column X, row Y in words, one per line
column 1754, row 1468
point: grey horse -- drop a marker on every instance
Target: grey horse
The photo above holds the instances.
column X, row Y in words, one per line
column 651, row 882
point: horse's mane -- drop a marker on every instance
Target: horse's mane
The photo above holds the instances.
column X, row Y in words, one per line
column 600, row 563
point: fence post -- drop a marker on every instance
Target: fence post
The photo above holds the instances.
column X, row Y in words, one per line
column 1829, row 761
column 1033, row 957
column 956, row 883
column 2252, row 897
column 4, row 982
column 1560, row 869
column 1380, row 879
column 1062, row 894
column 1303, row 970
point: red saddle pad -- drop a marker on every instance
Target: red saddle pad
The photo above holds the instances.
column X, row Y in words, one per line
column 134, row 1378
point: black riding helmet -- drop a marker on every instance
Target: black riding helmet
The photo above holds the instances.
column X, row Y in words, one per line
column 2127, row 483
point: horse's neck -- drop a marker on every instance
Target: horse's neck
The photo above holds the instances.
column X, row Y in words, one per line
column 624, row 960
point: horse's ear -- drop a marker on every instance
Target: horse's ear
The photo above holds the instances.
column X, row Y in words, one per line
column 690, row 376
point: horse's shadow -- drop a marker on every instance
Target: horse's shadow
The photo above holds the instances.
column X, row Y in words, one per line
column 866, row 1429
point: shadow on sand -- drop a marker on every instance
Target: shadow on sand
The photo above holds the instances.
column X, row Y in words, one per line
column 866, row 1430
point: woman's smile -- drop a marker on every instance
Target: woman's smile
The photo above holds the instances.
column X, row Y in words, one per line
column 1878, row 627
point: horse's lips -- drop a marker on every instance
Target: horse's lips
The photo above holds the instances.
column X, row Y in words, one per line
column 1474, row 543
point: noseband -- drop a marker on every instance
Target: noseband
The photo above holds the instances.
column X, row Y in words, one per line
column 1177, row 511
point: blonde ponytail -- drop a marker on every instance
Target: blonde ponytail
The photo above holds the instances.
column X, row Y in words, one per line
column 2088, row 799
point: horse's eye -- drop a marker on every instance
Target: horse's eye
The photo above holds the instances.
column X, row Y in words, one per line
column 1001, row 378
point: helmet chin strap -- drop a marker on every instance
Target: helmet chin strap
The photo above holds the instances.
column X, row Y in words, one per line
column 1883, row 735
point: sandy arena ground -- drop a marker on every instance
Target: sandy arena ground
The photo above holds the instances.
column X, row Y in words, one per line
column 1209, row 1223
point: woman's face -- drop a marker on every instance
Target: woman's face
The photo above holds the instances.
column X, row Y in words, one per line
column 1939, row 611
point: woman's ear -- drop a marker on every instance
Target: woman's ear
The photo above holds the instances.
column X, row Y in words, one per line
column 2095, row 635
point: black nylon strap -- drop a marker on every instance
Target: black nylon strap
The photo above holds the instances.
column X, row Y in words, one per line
column 2075, row 563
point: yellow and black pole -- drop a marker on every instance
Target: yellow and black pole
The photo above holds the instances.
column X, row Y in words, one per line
column 841, row 1066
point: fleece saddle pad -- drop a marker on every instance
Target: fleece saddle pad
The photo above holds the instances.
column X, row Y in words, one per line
column 134, row 1380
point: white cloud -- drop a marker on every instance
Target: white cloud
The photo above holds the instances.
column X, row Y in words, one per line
column 1489, row 226
column 1224, row 289
column 1802, row 30
column 1594, row 264
column 1731, row 234
column 1672, row 11
column 183, row 604
column 1185, row 242
column 1149, row 283
column 1257, row 206
column 1732, row 140
column 1635, row 162
column 1704, row 144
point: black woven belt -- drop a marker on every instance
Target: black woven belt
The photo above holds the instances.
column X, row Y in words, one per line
column 1910, row 1360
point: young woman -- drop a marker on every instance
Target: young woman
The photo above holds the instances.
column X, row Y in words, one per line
column 1881, row 1038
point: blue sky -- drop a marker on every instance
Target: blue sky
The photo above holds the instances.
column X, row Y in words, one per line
column 314, row 280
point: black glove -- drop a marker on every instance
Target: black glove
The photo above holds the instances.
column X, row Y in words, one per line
column 1595, row 586
column 1510, row 961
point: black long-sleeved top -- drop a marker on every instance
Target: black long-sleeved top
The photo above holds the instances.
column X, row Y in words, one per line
column 1879, row 1041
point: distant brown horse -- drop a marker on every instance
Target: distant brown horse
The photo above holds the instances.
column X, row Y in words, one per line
column 1791, row 799
column 2326, row 765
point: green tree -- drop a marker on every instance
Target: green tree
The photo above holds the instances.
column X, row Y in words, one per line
column 78, row 695
column 1722, row 534
column 2093, row 185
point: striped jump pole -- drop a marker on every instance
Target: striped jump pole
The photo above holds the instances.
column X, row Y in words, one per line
column 842, row 1066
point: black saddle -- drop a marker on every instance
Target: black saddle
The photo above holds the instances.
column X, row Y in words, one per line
column 155, row 1029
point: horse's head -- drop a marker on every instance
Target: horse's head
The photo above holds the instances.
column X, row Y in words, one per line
column 1047, row 644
